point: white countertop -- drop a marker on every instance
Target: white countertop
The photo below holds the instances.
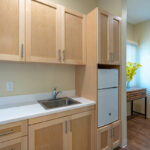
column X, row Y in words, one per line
column 18, row 113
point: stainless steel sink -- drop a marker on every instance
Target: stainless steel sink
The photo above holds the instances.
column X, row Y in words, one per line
column 55, row 103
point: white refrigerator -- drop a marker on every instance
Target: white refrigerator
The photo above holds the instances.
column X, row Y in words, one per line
column 107, row 96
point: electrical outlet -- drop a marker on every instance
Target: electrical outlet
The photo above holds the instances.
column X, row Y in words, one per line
column 9, row 86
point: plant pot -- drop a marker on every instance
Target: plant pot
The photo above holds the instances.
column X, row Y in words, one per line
column 128, row 85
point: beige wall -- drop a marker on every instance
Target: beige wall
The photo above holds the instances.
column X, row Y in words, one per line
column 130, row 29
column 113, row 6
column 83, row 6
column 37, row 78
column 140, row 33
column 142, row 37
column 119, row 8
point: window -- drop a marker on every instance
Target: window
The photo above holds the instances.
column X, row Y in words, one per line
column 131, row 54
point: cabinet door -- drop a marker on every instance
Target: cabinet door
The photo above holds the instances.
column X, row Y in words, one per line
column 74, row 38
column 42, row 31
column 82, row 131
column 103, row 36
column 17, row 144
column 115, row 41
column 116, row 134
column 104, row 138
column 12, row 30
column 50, row 135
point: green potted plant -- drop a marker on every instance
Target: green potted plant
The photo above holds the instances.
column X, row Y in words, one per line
column 131, row 69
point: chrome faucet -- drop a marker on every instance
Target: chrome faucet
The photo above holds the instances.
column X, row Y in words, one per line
column 55, row 93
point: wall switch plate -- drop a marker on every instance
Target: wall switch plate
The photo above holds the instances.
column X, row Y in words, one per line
column 9, row 86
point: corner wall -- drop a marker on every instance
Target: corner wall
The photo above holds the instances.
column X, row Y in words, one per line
column 119, row 8
column 130, row 32
column 142, row 37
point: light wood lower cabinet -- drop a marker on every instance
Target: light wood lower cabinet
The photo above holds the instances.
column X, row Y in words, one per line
column 104, row 138
column 48, row 135
column 116, row 134
column 16, row 144
column 69, row 133
column 82, row 128
column 109, row 137
column 13, row 130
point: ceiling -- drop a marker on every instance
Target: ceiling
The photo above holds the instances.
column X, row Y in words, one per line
column 138, row 11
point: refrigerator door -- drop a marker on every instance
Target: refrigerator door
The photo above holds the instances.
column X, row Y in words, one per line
column 107, row 106
column 107, row 78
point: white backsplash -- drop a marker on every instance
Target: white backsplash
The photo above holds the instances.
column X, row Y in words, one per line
column 19, row 100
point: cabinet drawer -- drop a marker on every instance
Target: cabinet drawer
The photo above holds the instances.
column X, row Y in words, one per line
column 17, row 144
column 13, row 130
column 133, row 95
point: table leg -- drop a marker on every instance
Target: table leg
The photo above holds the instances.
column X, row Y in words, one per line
column 145, row 107
column 131, row 108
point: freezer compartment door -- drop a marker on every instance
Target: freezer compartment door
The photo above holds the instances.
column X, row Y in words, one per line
column 107, row 106
column 107, row 78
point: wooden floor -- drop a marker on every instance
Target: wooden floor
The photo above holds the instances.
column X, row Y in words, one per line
column 138, row 134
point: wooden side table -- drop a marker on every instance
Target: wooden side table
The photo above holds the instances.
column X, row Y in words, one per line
column 136, row 94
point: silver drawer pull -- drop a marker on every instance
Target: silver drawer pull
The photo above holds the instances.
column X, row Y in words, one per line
column 70, row 125
column 59, row 54
column 7, row 133
column 21, row 50
column 63, row 55
column 66, row 127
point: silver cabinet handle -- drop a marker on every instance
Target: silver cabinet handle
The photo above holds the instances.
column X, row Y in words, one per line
column 7, row 133
column 70, row 125
column 22, row 50
column 111, row 56
column 66, row 127
column 63, row 55
column 59, row 54
column 111, row 134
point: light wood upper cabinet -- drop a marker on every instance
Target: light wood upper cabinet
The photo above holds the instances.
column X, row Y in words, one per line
column 103, row 34
column 109, row 38
column 82, row 131
column 12, row 30
column 116, row 39
column 42, row 31
column 73, row 50
column 16, row 144
column 54, row 34
column 75, row 132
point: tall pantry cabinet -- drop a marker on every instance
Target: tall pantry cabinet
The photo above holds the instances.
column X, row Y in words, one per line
column 103, row 42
